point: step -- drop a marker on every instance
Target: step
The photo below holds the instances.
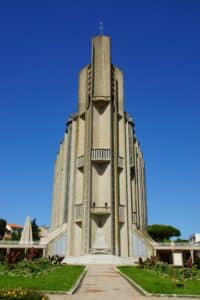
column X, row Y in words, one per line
column 99, row 259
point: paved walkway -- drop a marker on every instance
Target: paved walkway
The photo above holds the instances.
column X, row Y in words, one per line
column 102, row 282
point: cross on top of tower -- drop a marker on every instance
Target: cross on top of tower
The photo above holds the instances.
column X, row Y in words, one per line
column 101, row 28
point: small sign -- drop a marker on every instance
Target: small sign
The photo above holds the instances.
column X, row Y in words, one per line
column 178, row 259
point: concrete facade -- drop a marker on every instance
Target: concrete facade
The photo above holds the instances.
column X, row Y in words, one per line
column 195, row 239
column 99, row 182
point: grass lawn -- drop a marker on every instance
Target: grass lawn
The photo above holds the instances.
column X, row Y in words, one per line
column 61, row 278
column 155, row 284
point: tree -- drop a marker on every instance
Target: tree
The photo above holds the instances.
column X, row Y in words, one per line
column 16, row 235
column 179, row 240
column 35, row 230
column 160, row 233
column 3, row 224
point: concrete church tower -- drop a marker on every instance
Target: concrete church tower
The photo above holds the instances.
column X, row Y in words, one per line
column 99, row 199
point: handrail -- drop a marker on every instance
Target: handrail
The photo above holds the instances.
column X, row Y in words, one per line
column 7, row 242
column 174, row 244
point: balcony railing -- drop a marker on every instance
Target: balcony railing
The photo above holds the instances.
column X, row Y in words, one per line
column 101, row 155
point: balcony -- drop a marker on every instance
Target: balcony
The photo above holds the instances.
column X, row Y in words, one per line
column 100, row 210
column 78, row 212
column 101, row 98
column 101, row 155
column 121, row 214
column 131, row 160
column 120, row 162
column 80, row 162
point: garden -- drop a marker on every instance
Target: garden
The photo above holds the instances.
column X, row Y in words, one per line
column 30, row 277
column 157, row 277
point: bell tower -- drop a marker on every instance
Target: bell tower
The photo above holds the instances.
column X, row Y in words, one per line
column 99, row 184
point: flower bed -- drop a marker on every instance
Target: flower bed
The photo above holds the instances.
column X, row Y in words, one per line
column 27, row 268
column 56, row 278
column 163, row 279
column 21, row 294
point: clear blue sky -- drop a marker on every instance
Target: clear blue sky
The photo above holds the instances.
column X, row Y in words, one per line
column 43, row 45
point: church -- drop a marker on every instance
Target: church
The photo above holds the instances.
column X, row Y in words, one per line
column 99, row 194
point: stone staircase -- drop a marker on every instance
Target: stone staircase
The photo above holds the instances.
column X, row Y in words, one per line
column 104, row 259
column 54, row 234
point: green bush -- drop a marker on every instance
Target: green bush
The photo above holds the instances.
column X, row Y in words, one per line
column 33, row 254
column 162, row 268
column 13, row 256
column 2, row 254
column 197, row 262
column 21, row 294
column 165, row 270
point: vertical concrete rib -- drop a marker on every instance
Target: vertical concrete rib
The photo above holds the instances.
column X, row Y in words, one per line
column 71, row 188
column 116, row 176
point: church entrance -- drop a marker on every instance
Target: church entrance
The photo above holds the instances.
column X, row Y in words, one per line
column 99, row 238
